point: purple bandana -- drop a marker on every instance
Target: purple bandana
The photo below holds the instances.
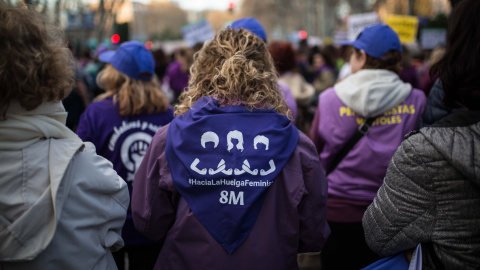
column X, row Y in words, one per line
column 223, row 160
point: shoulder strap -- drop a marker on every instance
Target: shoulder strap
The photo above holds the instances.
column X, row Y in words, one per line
column 362, row 130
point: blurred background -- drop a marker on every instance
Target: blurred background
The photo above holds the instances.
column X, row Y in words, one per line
column 172, row 23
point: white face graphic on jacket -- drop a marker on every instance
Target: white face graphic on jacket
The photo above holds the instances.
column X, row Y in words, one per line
column 212, row 137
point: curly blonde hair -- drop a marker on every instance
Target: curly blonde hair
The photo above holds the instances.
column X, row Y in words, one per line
column 35, row 63
column 235, row 67
column 133, row 96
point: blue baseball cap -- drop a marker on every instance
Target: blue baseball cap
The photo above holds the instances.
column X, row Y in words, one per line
column 376, row 40
column 131, row 59
column 251, row 25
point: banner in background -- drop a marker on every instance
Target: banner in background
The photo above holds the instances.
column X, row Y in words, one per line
column 200, row 31
column 404, row 26
column 432, row 38
column 83, row 20
column 357, row 22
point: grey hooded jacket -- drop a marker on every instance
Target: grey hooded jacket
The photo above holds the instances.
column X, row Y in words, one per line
column 61, row 207
column 431, row 195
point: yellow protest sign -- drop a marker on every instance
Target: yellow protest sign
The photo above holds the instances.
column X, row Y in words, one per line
column 404, row 26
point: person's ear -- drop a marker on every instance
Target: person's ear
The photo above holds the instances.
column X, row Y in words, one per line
column 363, row 58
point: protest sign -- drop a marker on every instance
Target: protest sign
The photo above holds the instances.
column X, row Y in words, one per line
column 197, row 32
column 432, row 38
column 404, row 26
column 357, row 22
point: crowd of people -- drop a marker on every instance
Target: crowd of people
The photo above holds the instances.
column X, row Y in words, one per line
column 303, row 73
column 241, row 152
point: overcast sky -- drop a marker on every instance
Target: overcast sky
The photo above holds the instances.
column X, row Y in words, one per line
column 205, row 4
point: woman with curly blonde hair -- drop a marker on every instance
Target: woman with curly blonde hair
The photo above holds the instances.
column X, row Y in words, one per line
column 229, row 184
column 256, row 88
column 121, row 124
column 56, row 195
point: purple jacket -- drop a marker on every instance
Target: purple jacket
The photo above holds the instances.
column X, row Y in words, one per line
column 291, row 220
column 123, row 141
column 361, row 172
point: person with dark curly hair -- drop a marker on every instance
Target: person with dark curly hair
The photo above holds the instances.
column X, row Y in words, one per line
column 231, row 183
column 284, row 58
column 61, row 205
column 431, row 193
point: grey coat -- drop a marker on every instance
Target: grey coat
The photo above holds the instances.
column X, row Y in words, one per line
column 431, row 195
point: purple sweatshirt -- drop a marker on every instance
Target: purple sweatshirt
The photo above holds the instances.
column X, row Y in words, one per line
column 291, row 217
column 123, row 141
column 341, row 109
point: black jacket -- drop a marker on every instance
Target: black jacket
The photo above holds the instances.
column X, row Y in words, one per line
column 431, row 195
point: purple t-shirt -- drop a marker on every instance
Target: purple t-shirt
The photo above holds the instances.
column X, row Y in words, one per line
column 123, row 140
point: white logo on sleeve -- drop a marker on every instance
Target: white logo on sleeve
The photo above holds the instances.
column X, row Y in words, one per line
column 133, row 150
column 211, row 136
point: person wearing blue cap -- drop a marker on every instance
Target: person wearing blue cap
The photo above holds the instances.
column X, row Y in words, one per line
column 121, row 124
column 377, row 103
column 254, row 26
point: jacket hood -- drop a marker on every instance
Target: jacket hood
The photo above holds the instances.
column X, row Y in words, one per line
column 222, row 161
column 460, row 141
column 26, row 233
column 371, row 92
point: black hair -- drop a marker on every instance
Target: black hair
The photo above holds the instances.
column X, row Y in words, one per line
column 327, row 58
column 453, row 3
column 459, row 68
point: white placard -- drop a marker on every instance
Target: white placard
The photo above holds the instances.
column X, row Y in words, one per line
column 198, row 32
column 357, row 22
column 432, row 38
